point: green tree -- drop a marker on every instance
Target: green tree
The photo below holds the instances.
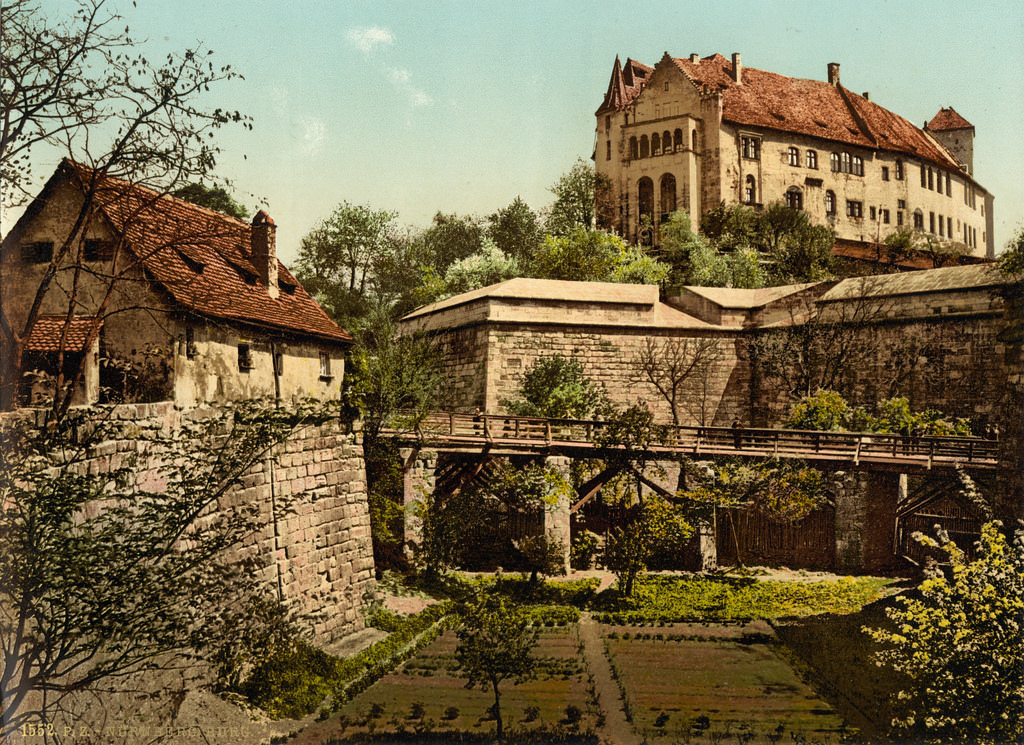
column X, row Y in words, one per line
column 960, row 640
column 798, row 251
column 582, row 255
column 556, row 387
column 495, row 645
column 486, row 267
column 822, row 410
column 212, row 197
column 1011, row 261
column 106, row 573
column 449, row 239
column 337, row 258
column 516, row 230
column 578, row 193
column 678, row 241
column 654, row 533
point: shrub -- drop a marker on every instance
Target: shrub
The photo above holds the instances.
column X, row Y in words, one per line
column 451, row 712
column 531, row 713
column 584, row 548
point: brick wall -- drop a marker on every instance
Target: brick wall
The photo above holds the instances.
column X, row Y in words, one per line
column 319, row 555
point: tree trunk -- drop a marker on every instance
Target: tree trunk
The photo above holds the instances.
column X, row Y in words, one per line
column 497, row 709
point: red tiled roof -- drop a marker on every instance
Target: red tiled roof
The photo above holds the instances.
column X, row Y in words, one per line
column 813, row 108
column 47, row 331
column 625, row 85
column 202, row 259
column 948, row 119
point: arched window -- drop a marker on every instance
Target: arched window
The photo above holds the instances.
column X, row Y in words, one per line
column 693, row 138
column 645, row 205
column 668, row 196
column 812, row 159
column 857, row 168
column 795, row 198
column 645, row 147
column 846, row 162
column 750, row 190
column 666, row 142
column 794, row 156
column 656, row 144
column 830, row 203
column 677, row 140
column 835, row 162
column 634, row 150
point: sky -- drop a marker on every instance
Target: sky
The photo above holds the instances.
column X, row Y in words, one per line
column 460, row 106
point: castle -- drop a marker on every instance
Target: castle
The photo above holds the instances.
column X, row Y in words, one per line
column 694, row 133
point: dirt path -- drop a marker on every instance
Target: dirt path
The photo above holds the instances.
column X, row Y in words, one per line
column 616, row 730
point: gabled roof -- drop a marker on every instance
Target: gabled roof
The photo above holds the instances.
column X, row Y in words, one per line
column 625, row 84
column 47, row 331
column 947, row 119
column 202, row 259
column 813, row 108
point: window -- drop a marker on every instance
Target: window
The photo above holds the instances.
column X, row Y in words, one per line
column 885, row 173
column 244, row 357
column 949, row 226
column 918, row 220
column 812, row 159
column 325, row 366
column 949, row 186
column 666, row 142
column 873, row 212
column 668, row 196
column 942, row 226
column 750, row 190
column 931, row 222
column 190, row 343
column 645, row 147
column 884, row 214
column 931, row 180
column 924, row 177
column 39, row 252
column 899, row 170
column 795, row 198
column 607, row 124
column 634, row 149
column 677, row 140
column 846, row 162
column 834, row 158
column 666, row 85
column 608, row 150
column 693, row 139
column 901, row 204
column 899, row 217
column 857, row 168
column 794, row 156
column 97, row 250
column 751, row 147
column 656, row 144
column 830, row 203
column 854, row 209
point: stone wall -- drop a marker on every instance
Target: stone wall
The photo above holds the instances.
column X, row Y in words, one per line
column 319, row 554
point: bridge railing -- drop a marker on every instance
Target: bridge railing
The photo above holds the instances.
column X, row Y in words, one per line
column 854, row 446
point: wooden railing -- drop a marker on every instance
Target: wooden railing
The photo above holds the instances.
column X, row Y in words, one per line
column 472, row 431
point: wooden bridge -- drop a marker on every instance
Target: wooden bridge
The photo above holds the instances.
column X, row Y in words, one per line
column 498, row 434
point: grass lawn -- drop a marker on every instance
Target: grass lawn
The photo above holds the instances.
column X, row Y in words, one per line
column 715, row 683
column 425, row 695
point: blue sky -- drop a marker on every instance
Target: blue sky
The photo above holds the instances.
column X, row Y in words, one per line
column 460, row 106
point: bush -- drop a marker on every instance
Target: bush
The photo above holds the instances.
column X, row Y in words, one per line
column 584, row 549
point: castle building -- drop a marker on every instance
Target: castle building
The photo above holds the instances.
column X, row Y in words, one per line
column 694, row 133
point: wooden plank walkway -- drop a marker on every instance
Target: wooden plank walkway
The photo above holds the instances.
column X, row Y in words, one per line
column 498, row 434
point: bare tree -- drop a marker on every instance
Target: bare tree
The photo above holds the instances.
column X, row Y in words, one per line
column 76, row 87
column 682, row 372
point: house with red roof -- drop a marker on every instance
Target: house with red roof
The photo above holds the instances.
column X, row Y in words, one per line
column 153, row 298
column 694, row 133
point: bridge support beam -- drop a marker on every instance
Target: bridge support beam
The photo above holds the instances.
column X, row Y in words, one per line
column 866, row 520
column 557, row 522
column 418, row 479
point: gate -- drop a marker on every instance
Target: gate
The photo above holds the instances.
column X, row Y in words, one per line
column 809, row 543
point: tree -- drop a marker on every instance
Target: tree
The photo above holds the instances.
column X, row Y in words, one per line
column 556, row 387
column 577, row 194
column 449, row 239
column 495, row 645
column 516, row 231
column 214, row 198
column 75, row 85
column 582, row 255
column 336, row 258
column 109, row 572
column 960, row 641
column 487, row 267
column 682, row 372
column 798, row 251
column 654, row 532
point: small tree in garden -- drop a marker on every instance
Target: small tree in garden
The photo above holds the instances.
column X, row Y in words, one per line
column 653, row 529
column 495, row 645
column 556, row 387
column 960, row 639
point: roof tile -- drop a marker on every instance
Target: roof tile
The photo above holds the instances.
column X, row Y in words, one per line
column 47, row 331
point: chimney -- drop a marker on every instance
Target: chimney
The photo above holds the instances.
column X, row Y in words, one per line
column 833, row 73
column 264, row 250
column 694, row 57
column 737, row 68
column 866, row 95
